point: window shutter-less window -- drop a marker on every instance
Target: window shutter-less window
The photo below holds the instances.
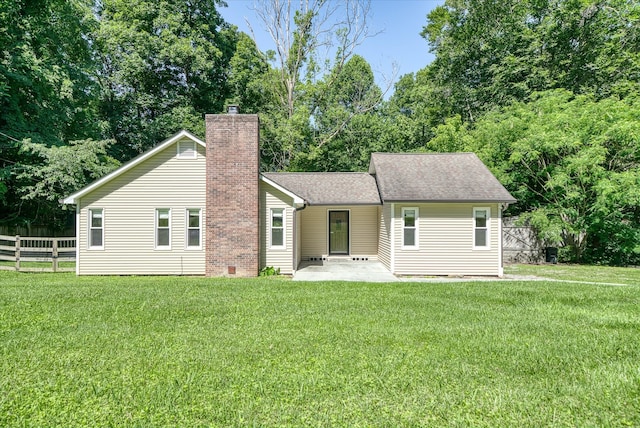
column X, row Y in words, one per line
column 277, row 227
column 96, row 228
column 410, row 228
column 481, row 228
column 163, row 228
column 193, row 228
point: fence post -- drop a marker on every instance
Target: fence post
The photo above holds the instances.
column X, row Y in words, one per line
column 17, row 252
column 54, row 254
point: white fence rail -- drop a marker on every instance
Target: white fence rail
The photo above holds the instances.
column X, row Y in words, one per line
column 20, row 250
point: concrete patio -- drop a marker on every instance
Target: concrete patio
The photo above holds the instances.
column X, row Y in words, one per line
column 344, row 270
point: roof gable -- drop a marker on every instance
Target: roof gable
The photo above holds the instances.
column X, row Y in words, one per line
column 435, row 177
column 180, row 136
column 297, row 200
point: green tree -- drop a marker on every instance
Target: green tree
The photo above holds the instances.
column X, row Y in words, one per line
column 415, row 107
column 303, row 78
column 573, row 163
column 255, row 87
column 48, row 88
column 60, row 171
column 343, row 105
column 492, row 52
column 251, row 80
column 46, row 80
column 164, row 65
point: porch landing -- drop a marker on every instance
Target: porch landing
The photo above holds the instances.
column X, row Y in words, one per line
column 344, row 270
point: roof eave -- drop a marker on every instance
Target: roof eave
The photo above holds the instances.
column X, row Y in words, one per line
column 297, row 200
column 452, row 201
column 345, row 204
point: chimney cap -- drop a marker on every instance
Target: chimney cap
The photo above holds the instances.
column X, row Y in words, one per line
column 233, row 109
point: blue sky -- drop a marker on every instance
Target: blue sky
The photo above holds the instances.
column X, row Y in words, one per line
column 400, row 21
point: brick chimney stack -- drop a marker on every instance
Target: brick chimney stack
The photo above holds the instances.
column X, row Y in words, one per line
column 233, row 163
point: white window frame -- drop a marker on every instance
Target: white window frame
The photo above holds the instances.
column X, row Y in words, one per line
column 188, row 228
column 284, row 228
column 192, row 155
column 487, row 228
column 157, row 227
column 90, row 229
column 415, row 228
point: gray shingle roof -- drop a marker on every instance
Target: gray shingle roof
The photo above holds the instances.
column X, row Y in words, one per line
column 329, row 188
column 436, row 177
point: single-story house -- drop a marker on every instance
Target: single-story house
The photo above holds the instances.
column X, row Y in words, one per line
column 203, row 208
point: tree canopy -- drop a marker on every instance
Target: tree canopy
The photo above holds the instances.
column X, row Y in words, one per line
column 492, row 52
column 573, row 164
column 48, row 93
column 163, row 65
column 316, row 96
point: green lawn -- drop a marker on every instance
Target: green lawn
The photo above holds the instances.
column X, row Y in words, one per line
column 149, row 351
column 37, row 266
column 601, row 274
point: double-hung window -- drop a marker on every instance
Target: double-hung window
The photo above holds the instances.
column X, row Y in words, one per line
column 163, row 228
column 96, row 228
column 410, row 228
column 193, row 228
column 481, row 218
column 277, row 228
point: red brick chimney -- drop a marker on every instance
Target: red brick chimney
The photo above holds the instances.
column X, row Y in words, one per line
column 233, row 163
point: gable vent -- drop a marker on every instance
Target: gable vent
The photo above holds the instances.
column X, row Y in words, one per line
column 187, row 149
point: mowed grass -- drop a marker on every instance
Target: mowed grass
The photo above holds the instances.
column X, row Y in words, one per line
column 171, row 351
column 600, row 274
column 36, row 266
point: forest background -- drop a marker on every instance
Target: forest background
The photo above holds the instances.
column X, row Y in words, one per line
column 546, row 92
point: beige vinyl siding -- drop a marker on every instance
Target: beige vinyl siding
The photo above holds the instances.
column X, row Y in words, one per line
column 129, row 202
column 445, row 237
column 298, row 254
column 363, row 230
column 384, row 240
column 277, row 257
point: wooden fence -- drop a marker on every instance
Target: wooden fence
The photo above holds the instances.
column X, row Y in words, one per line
column 36, row 251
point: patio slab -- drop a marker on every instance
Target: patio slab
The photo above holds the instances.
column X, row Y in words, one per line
column 373, row 271
column 344, row 270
